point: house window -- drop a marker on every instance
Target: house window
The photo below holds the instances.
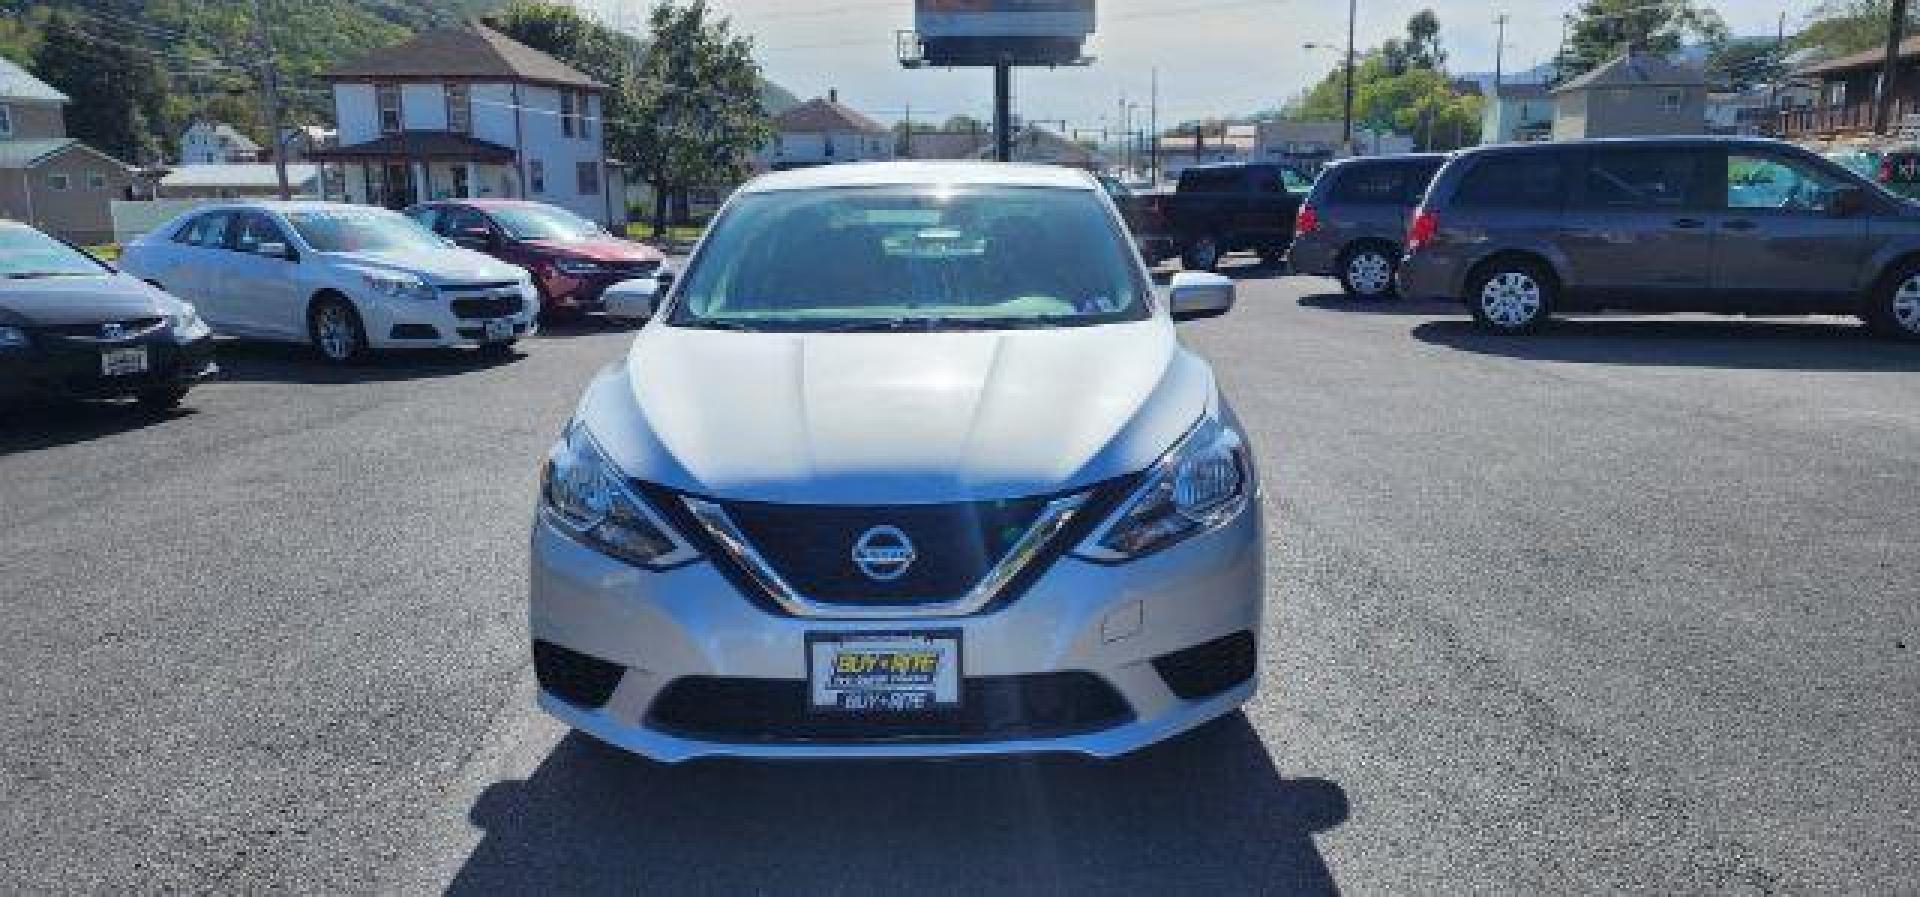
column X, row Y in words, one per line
column 828, row 141
column 1836, row 94
column 586, row 118
column 96, row 181
column 6, row 121
column 588, row 174
column 459, row 109
column 537, row 173
column 58, row 181
column 1672, row 100
column 388, row 96
column 566, row 113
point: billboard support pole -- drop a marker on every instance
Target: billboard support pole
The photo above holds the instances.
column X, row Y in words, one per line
column 1002, row 112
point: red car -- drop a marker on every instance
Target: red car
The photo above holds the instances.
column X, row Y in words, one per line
column 572, row 260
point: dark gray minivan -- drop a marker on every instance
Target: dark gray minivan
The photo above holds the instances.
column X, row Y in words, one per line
column 1728, row 225
column 1353, row 221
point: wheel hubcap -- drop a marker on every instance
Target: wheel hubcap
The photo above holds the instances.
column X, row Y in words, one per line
column 1906, row 304
column 336, row 333
column 1370, row 273
column 1510, row 299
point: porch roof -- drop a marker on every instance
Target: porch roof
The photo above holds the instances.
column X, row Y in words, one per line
column 421, row 146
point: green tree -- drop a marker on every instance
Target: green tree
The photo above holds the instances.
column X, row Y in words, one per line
column 1421, row 47
column 118, row 94
column 1418, row 102
column 697, row 114
column 1600, row 29
column 1839, row 27
column 1742, row 64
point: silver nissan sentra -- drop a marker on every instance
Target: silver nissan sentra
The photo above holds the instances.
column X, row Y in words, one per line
column 908, row 462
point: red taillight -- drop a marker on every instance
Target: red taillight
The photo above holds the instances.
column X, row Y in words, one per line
column 1422, row 229
column 1306, row 222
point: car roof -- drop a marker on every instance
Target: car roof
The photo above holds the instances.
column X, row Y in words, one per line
column 923, row 173
column 281, row 206
column 1688, row 140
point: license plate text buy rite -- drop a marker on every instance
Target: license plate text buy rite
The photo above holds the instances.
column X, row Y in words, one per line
column 884, row 672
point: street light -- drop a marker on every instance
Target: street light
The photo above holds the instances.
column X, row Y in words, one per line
column 1346, row 115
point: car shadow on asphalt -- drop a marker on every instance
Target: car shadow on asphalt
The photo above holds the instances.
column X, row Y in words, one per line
column 1808, row 345
column 1248, row 268
column 1345, row 303
column 246, row 361
column 1207, row 813
column 590, row 325
column 34, row 426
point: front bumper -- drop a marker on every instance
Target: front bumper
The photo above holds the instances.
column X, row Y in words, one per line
column 1078, row 617
column 583, row 293
column 1314, row 255
column 60, row 369
column 451, row 321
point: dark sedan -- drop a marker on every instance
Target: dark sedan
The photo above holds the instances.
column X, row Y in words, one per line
column 72, row 327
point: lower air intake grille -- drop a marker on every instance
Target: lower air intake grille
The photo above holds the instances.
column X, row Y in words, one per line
column 1203, row 671
column 992, row 708
column 573, row 677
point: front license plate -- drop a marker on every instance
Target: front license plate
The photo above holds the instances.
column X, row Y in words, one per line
column 883, row 672
column 499, row 330
column 122, row 362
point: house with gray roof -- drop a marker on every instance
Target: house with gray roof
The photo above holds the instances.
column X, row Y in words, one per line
column 1633, row 95
column 825, row 131
column 47, row 179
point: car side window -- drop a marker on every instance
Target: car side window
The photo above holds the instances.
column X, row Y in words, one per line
column 1762, row 181
column 208, row 231
column 1371, row 185
column 1533, row 180
column 254, row 229
column 1627, row 179
column 429, row 218
column 459, row 221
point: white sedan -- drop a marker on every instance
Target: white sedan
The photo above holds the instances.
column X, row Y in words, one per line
column 345, row 279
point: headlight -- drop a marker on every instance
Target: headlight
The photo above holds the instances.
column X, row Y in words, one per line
column 577, row 267
column 14, row 338
column 590, row 499
column 188, row 325
column 1202, row 483
column 400, row 286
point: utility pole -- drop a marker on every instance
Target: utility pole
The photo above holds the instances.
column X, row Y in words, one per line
column 1500, row 51
column 1153, row 130
column 270, row 85
column 1346, row 119
column 1003, row 112
column 1780, row 60
column 1883, row 103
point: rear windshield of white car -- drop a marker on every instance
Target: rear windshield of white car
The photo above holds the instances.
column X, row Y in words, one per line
column 913, row 258
column 26, row 254
column 362, row 230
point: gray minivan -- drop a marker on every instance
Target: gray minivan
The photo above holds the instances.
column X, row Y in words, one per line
column 1353, row 221
column 1728, row 225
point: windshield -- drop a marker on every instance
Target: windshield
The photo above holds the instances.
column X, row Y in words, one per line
column 542, row 223
column 913, row 258
column 27, row 253
column 362, row 230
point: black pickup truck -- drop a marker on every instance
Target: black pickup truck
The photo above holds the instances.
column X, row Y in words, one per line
column 1217, row 209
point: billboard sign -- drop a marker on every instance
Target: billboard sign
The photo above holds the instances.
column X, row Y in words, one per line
column 943, row 19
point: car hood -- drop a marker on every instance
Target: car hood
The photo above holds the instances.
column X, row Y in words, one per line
column 64, row 301
column 894, row 418
column 449, row 265
column 609, row 250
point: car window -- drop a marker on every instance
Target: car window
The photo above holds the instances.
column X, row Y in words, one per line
column 208, row 231
column 1294, row 182
column 1515, row 181
column 978, row 256
column 428, row 217
column 460, row 220
column 1757, row 181
column 251, row 229
column 27, row 253
column 1900, row 168
column 1644, row 179
column 362, row 230
column 1379, row 184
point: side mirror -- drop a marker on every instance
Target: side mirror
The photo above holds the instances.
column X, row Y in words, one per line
column 273, row 250
column 633, row 299
column 1846, row 202
column 1196, row 294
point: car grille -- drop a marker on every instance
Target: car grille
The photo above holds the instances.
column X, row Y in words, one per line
column 92, row 332
column 632, row 269
column 992, row 708
column 1206, row 670
column 811, row 547
column 488, row 307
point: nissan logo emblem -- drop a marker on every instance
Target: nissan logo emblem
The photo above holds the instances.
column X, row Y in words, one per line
column 883, row 553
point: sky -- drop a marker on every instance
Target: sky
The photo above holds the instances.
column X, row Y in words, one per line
column 1214, row 57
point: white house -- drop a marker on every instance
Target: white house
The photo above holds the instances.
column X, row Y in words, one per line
column 216, row 143
column 1516, row 113
column 825, row 132
column 468, row 112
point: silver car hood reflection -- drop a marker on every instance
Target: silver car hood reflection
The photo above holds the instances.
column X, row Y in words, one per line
column 895, row 418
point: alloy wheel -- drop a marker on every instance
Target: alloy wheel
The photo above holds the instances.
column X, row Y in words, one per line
column 1510, row 299
column 1906, row 305
column 1369, row 273
column 333, row 326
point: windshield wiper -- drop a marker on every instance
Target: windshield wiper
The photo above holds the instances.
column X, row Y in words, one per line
column 882, row 325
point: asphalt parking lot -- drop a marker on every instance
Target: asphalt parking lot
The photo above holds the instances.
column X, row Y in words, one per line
column 1631, row 604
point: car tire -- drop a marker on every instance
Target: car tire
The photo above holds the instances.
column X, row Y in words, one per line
column 1203, row 254
column 161, row 399
column 1513, row 296
column 1273, row 256
column 497, row 350
column 334, row 328
column 1893, row 310
column 1367, row 270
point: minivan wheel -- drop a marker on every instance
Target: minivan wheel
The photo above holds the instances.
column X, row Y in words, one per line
column 336, row 331
column 1367, row 273
column 164, row 399
column 1512, row 297
column 1203, row 254
column 1895, row 310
